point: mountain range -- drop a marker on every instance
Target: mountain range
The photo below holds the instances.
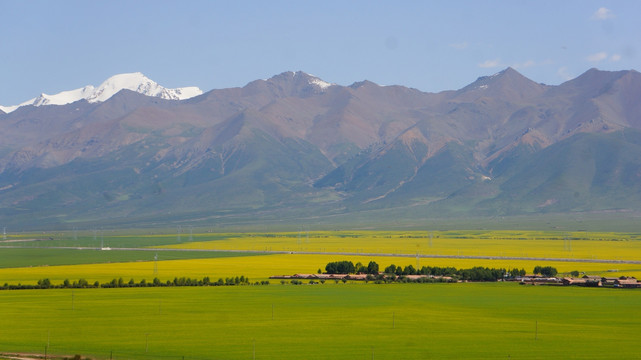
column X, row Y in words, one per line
column 297, row 148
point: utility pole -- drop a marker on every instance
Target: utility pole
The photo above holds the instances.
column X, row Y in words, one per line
column 156, row 264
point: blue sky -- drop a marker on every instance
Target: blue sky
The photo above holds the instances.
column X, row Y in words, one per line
column 51, row 46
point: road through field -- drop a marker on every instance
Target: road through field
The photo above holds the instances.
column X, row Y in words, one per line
column 422, row 256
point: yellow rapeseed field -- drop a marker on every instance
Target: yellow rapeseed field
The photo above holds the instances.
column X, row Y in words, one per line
column 261, row 267
column 580, row 245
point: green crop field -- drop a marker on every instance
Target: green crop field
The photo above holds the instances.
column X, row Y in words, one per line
column 29, row 257
column 337, row 321
column 331, row 320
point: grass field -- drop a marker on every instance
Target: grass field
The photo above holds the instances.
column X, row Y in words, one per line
column 29, row 257
column 337, row 321
column 332, row 320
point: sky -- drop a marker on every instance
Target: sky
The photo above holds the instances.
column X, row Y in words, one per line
column 52, row 46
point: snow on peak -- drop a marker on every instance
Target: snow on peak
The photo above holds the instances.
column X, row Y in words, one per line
column 141, row 84
column 313, row 80
column 132, row 81
column 64, row 97
column 320, row 83
column 8, row 109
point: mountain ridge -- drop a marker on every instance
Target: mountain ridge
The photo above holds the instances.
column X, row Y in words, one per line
column 294, row 141
column 130, row 81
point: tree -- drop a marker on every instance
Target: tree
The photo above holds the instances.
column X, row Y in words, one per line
column 548, row 271
column 372, row 268
column 390, row 269
column 45, row 283
column 574, row 273
column 409, row 270
column 340, row 267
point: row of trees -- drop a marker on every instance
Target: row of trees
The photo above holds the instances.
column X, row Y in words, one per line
column 464, row 274
column 473, row 274
column 121, row 283
column 549, row 271
column 347, row 267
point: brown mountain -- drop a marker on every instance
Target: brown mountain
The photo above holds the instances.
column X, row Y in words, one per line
column 297, row 142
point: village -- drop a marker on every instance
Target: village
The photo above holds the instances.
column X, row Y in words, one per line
column 586, row 280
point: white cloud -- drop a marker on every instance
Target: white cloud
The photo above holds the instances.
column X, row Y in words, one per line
column 490, row 63
column 615, row 57
column 600, row 56
column 564, row 74
column 603, row 14
column 459, row 46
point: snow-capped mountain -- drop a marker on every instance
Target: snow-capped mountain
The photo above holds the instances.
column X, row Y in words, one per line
column 132, row 81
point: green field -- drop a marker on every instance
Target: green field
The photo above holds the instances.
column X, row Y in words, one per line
column 12, row 258
column 332, row 320
column 338, row 321
column 343, row 321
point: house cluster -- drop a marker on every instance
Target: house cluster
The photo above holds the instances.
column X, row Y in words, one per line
column 587, row 280
column 621, row 282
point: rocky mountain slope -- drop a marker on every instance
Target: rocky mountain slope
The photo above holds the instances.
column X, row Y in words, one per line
column 295, row 146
